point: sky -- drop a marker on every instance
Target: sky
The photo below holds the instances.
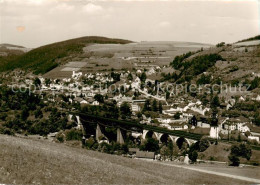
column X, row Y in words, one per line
column 33, row 23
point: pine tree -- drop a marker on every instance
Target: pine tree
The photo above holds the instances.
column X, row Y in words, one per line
column 147, row 106
column 154, row 106
column 160, row 108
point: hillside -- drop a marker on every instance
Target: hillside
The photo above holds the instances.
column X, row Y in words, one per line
column 139, row 55
column 230, row 64
column 45, row 58
column 34, row 161
column 251, row 39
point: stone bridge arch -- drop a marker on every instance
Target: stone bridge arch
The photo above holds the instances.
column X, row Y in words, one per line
column 164, row 138
column 150, row 134
column 180, row 141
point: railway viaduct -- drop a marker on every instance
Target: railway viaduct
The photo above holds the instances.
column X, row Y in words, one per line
column 99, row 126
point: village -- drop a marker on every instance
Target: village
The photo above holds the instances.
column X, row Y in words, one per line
column 147, row 100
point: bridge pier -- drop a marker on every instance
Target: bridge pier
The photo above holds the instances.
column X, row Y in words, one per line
column 191, row 141
column 98, row 133
column 144, row 134
column 81, row 127
column 158, row 136
column 119, row 136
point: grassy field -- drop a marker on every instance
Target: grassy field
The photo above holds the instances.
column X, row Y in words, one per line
column 104, row 57
column 34, row 161
column 221, row 151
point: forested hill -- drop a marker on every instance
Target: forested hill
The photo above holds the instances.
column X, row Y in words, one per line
column 45, row 58
column 251, row 39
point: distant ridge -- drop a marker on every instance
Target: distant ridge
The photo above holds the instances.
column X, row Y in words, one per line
column 250, row 39
column 10, row 45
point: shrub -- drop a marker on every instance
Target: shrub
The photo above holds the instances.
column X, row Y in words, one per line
column 255, row 83
column 212, row 158
column 60, row 137
column 193, row 156
column 6, row 131
column 221, row 44
column 73, row 134
column 237, row 151
column 177, row 115
column 204, row 144
column 150, row 145
column 234, row 160
column 90, row 142
column 233, row 69
column 203, row 80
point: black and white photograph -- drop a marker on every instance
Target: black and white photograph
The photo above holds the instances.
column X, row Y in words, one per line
column 129, row 92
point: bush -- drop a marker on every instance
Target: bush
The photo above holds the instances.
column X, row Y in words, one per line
column 73, row 134
column 234, row 68
column 60, row 137
column 177, row 115
column 204, row 79
column 221, row 44
column 234, row 160
column 150, row 145
column 255, row 83
column 6, row 131
column 193, row 156
column 237, row 151
column 90, row 142
column 204, row 144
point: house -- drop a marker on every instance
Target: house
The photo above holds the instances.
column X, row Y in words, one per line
column 242, row 127
column 166, row 125
column 200, row 109
column 84, row 102
column 151, row 71
column 90, row 94
column 78, row 99
column 149, row 81
column 240, row 124
column 44, row 87
column 254, row 138
column 139, row 101
column 138, row 71
column 172, row 111
column 135, row 108
column 203, row 125
column 179, row 126
column 136, row 134
column 76, row 75
column 42, row 80
column 256, row 74
column 165, row 121
column 256, row 98
column 133, row 151
column 230, row 103
column 136, row 83
column 241, row 98
column 145, row 155
column 95, row 103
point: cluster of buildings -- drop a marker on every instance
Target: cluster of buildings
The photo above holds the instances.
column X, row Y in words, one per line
column 82, row 88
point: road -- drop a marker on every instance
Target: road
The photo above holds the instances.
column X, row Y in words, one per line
column 195, row 168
